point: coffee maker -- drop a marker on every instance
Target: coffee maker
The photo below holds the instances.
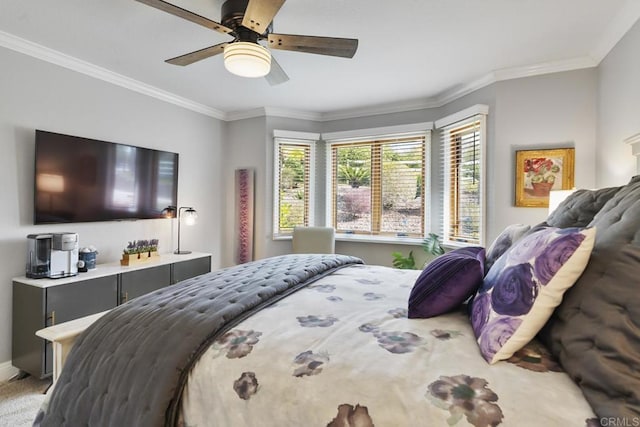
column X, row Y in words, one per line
column 52, row 255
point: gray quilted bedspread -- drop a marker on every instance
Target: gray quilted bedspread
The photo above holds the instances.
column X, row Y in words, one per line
column 130, row 367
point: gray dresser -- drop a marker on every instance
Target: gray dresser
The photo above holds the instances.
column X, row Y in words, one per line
column 39, row 303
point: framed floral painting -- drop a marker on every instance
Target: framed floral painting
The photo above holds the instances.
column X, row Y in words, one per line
column 540, row 171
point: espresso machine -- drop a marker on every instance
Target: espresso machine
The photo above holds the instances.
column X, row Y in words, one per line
column 52, row 255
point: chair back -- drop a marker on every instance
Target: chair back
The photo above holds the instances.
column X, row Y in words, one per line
column 313, row 240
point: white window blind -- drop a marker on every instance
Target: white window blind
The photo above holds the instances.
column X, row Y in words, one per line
column 293, row 177
column 378, row 185
column 463, row 152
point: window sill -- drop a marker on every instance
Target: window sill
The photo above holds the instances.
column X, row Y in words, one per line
column 362, row 238
column 458, row 245
column 343, row 237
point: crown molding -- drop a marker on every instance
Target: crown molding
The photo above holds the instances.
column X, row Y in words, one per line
column 369, row 132
column 35, row 50
column 461, row 90
column 398, row 107
column 325, row 117
column 293, row 114
column 271, row 112
column 244, row 114
column 545, row 68
column 626, row 17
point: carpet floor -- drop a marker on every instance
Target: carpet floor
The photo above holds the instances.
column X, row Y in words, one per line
column 20, row 401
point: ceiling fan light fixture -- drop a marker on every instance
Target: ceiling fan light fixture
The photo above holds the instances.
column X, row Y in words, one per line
column 247, row 59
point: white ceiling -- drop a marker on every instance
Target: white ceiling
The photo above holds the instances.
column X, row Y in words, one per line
column 411, row 53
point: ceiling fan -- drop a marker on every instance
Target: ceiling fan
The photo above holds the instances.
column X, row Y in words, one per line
column 249, row 22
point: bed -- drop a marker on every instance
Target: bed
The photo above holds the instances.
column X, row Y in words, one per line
column 327, row 340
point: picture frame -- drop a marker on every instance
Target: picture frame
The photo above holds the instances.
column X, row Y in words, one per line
column 540, row 171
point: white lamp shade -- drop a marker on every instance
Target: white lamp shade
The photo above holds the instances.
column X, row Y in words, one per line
column 556, row 197
column 190, row 217
column 247, row 59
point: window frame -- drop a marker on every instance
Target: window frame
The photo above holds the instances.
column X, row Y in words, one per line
column 288, row 138
column 450, row 192
column 418, row 130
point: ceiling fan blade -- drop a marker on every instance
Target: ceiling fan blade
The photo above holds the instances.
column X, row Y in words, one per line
column 260, row 13
column 198, row 55
column 185, row 14
column 331, row 46
column 276, row 75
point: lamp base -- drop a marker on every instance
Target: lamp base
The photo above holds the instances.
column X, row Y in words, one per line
column 181, row 252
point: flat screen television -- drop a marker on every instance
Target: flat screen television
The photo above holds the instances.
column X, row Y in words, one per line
column 83, row 180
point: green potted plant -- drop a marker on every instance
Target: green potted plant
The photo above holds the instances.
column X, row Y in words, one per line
column 431, row 245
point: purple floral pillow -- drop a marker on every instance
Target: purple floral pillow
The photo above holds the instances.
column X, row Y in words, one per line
column 448, row 281
column 524, row 286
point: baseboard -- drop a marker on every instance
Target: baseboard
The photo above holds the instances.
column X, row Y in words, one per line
column 7, row 371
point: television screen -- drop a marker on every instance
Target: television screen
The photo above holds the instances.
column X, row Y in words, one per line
column 81, row 180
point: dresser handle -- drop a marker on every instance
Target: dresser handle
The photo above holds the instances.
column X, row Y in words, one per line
column 53, row 318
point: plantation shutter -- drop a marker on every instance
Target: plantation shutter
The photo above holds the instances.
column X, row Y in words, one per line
column 378, row 185
column 352, row 195
column 402, row 192
column 463, row 181
column 292, row 193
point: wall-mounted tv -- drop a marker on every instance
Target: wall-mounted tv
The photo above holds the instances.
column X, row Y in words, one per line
column 82, row 180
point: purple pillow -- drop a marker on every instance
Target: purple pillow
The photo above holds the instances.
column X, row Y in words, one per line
column 525, row 285
column 447, row 282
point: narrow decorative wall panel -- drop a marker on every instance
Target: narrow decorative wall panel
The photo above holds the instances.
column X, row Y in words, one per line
column 244, row 215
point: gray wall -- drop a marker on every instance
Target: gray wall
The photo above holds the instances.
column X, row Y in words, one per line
column 549, row 111
column 38, row 95
column 246, row 148
column 249, row 144
column 618, row 110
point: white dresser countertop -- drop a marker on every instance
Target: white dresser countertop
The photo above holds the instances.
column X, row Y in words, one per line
column 111, row 269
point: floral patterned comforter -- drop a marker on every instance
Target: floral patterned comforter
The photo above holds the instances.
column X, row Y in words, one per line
column 342, row 352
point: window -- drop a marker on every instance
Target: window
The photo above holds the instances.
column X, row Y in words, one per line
column 293, row 201
column 378, row 185
column 463, row 180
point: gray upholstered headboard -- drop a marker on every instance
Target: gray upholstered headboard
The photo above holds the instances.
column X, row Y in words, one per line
column 595, row 332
